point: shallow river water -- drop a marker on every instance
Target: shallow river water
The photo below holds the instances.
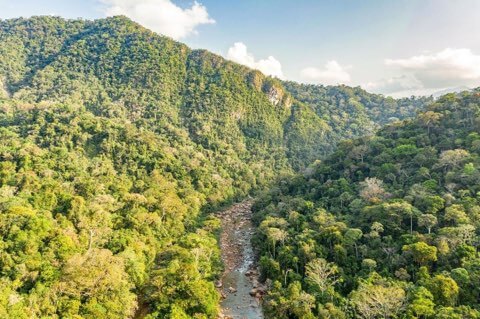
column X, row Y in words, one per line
column 238, row 257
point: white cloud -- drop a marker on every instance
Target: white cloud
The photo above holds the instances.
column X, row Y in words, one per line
column 449, row 70
column 395, row 84
column 270, row 66
column 161, row 16
column 408, row 85
column 449, row 67
column 332, row 73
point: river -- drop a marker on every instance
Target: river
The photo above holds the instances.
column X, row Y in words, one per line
column 240, row 279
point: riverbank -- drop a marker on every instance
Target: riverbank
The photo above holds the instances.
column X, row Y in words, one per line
column 239, row 287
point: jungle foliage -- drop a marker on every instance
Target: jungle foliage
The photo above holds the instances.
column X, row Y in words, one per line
column 116, row 144
column 385, row 227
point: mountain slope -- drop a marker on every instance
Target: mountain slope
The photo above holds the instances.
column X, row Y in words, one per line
column 117, row 68
column 335, row 113
column 387, row 226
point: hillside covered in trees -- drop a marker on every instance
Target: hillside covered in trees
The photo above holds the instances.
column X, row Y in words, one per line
column 347, row 112
column 385, row 227
column 116, row 143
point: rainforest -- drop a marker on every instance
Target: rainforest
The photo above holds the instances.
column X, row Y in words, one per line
column 129, row 160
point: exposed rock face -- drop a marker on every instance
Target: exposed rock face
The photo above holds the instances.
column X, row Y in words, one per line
column 275, row 95
column 3, row 90
column 255, row 79
column 271, row 87
column 288, row 102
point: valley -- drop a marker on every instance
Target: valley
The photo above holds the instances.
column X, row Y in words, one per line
column 120, row 149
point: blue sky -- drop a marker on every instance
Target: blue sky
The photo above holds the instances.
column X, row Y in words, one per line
column 396, row 48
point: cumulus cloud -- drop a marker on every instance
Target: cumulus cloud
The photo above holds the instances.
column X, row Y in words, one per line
column 161, row 16
column 395, row 84
column 332, row 73
column 270, row 66
column 448, row 70
column 441, row 69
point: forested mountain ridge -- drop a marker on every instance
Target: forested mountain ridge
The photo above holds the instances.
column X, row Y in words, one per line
column 115, row 67
column 114, row 143
column 385, row 227
column 338, row 113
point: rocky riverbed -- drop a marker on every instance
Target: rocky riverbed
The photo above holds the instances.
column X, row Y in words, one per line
column 240, row 288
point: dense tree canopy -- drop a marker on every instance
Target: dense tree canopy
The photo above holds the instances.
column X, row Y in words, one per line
column 331, row 114
column 116, row 143
column 390, row 233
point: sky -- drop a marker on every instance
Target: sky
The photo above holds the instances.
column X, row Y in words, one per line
column 397, row 48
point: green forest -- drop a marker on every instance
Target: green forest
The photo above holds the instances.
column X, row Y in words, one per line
column 385, row 227
column 117, row 145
